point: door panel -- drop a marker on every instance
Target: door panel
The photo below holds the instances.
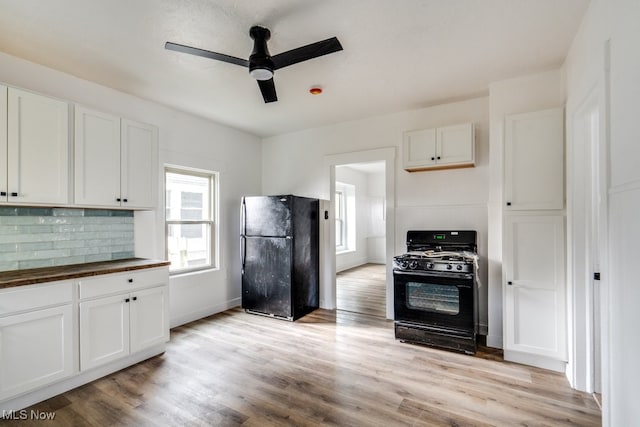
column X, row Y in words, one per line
column 267, row 216
column 266, row 278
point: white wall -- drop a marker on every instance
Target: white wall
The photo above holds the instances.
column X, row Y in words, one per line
column 519, row 95
column 376, row 229
column 370, row 223
column 616, row 20
column 184, row 140
column 435, row 199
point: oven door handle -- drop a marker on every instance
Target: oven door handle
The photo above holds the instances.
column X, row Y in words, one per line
column 434, row 274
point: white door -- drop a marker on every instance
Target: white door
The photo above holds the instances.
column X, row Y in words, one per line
column 38, row 148
column 534, row 286
column 455, row 144
column 104, row 330
column 97, row 158
column 139, row 159
column 534, row 160
column 149, row 318
column 36, row 348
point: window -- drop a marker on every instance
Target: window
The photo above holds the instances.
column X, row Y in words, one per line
column 190, row 222
column 341, row 223
column 345, row 202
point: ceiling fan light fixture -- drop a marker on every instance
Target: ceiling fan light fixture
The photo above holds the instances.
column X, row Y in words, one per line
column 261, row 73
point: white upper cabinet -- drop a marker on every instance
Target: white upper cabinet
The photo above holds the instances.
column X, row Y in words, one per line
column 97, row 158
column 3, row 144
column 439, row 148
column 115, row 161
column 35, row 149
column 139, row 153
column 534, row 160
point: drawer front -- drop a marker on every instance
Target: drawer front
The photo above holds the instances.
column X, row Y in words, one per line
column 108, row 284
column 32, row 297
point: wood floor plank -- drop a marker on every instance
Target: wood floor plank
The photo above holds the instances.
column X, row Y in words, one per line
column 330, row 368
column 362, row 290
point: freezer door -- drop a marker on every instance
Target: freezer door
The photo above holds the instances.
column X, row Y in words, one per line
column 266, row 216
column 266, row 276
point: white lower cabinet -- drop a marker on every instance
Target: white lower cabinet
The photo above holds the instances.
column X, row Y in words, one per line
column 534, row 289
column 36, row 344
column 114, row 326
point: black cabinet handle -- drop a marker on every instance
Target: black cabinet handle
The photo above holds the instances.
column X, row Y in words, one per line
column 118, row 199
column 438, row 157
column 126, row 300
column 433, row 158
column 135, row 298
column 130, row 280
column 508, row 203
column 509, row 283
column 3, row 193
column 14, row 194
column 125, row 200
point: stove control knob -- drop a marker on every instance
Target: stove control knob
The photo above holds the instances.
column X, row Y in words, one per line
column 403, row 264
column 459, row 267
column 413, row 265
column 430, row 265
column 449, row 266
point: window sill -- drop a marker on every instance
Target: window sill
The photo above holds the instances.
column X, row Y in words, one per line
column 345, row 251
column 191, row 272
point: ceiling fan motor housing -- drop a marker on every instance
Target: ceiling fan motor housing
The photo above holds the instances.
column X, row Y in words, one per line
column 260, row 63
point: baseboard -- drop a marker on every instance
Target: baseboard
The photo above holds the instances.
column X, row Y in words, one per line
column 9, row 407
column 352, row 264
column 208, row 311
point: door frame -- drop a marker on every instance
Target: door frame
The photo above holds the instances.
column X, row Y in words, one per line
column 388, row 155
column 587, row 153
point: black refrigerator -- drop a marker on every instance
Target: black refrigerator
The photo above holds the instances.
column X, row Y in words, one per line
column 280, row 255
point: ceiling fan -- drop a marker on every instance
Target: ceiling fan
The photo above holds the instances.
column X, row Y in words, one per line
column 261, row 64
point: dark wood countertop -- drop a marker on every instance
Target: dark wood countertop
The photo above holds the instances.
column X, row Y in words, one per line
column 32, row 276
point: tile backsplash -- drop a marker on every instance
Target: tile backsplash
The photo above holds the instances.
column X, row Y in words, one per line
column 45, row 237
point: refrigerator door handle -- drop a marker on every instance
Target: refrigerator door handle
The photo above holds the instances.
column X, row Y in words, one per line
column 243, row 251
column 243, row 212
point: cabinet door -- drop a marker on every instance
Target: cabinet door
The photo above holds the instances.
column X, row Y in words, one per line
column 139, row 159
column 36, row 348
column 534, row 290
column 38, row 148
column 3, row 144
column 419, row 149
column 534, row 160
column 97, row 158
column 455, row 145
column 149, row 318
column 104, row 330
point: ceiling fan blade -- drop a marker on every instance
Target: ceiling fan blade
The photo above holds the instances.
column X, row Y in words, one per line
column 268, row 89
column 304, row 53
column 206, row 54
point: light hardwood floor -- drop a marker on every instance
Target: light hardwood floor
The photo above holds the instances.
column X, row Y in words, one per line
column 362, row 290
column 328, row 368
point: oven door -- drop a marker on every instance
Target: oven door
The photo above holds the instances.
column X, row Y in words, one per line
column 442, row 300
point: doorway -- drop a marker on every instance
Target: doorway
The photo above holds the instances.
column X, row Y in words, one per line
column 328, row 278
column 360, row 235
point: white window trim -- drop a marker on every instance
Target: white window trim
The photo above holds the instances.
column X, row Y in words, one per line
column 212, row 221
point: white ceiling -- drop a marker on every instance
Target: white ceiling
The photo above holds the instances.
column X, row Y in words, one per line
column 398, row 55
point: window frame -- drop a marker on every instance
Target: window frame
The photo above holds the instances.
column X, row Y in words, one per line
column 211, row 221
column 341, row 200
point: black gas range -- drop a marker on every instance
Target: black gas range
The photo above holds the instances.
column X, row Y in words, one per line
column 435, row 290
